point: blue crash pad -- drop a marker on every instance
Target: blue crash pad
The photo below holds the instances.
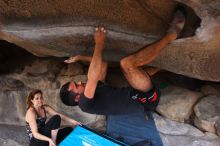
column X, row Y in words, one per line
column 84, row 136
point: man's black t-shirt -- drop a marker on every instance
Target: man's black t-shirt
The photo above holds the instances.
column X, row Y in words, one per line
column 110, row 100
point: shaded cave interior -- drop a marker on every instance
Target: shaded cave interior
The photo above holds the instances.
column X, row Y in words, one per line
column 14, row 59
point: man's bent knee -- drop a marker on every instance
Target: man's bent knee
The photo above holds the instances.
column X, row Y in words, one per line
column 125, row 63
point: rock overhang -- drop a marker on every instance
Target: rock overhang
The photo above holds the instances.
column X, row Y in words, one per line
column 64, row 28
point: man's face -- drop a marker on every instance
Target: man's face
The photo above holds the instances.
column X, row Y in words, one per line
column 78, row 88
column 72, row 87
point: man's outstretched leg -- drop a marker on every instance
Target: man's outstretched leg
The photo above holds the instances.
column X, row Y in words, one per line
column 130, row 65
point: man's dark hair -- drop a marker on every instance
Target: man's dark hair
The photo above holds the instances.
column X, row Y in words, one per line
column 67, row 97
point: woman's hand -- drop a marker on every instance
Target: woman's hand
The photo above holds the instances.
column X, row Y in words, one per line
column 51, row 143
column 65, row 118
column 73, row 59
column 75, row 123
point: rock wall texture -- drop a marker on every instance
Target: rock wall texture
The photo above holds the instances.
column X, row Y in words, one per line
column 57, row 29
column 64, row 28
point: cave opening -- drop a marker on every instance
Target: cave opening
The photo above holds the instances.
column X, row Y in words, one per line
column 13, row 58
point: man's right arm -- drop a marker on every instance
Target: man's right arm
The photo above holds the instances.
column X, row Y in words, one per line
column 95, row 67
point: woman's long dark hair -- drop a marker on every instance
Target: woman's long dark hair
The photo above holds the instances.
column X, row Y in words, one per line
column 31, row 97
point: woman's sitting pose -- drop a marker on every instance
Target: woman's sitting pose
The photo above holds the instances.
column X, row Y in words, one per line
column 40, row 132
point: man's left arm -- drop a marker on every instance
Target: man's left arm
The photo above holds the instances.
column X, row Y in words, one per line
column 88, row 59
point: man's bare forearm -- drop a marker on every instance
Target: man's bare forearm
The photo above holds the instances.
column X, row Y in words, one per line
column 94, row 73
column 89, row 59
column 85, row 58
column 77, row 58
column 95, row 68
column 96, row 64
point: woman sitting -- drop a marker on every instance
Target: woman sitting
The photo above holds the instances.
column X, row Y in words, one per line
column 40, row 132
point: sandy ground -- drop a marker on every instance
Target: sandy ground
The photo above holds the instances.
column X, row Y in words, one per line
column 13, row 136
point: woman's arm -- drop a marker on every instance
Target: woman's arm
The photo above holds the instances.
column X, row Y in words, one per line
column 65, row 118
column 31, row 119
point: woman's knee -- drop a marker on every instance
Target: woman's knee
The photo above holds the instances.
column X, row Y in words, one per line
column 56, row 118
column 55, row 121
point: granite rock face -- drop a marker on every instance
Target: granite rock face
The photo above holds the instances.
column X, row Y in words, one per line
column 211, row 88
column 64, row 28
column 207, row 113
column 48, row 76
column 217, row 127
column 177, row 103
column 173, row 133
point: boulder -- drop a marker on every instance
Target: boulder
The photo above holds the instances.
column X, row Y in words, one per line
column 47, row 75
column 217, row 127
column 207, row 113
column 176, row 103
column 175, row 133
column 211, row 88
column 12, row 107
